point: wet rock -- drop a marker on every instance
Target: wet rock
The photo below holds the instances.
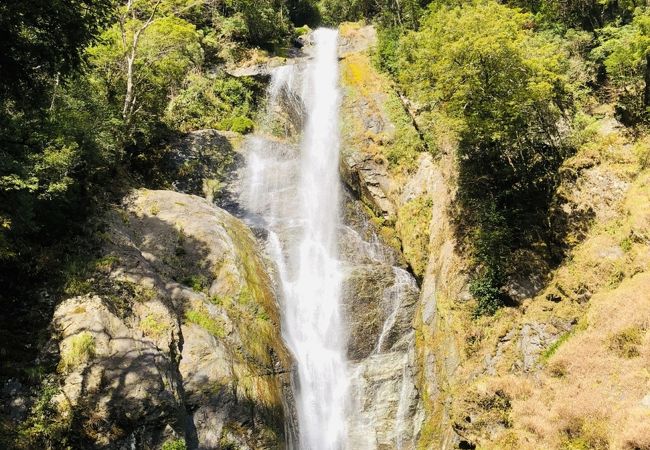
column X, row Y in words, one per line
column 379, row 300
column 369, row 180
column 385, row 403
column 363, row 290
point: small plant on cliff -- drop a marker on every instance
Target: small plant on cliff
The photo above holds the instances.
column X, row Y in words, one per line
column 202, row 318
column 484, row 288
column 45, row 427
column 153, row 326
column 78, row 350
column 175, row 444
column 198, row 283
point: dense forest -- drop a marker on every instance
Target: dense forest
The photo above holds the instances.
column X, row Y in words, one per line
column 91, row 92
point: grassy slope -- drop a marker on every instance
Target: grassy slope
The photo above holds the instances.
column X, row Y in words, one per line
column 590, row 373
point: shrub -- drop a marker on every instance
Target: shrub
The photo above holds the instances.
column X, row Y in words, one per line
column 241, row 125
column 198, row 283
column 175, row 444
column 485, row 289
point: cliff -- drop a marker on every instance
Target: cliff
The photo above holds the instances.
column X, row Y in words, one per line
column 564, row 367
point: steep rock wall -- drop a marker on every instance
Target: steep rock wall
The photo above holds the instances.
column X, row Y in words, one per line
column 514, row 380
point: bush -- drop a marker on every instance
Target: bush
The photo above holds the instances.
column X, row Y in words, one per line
column 485, row 289
column 387, row 51
column 175, row 444
column 241, row 125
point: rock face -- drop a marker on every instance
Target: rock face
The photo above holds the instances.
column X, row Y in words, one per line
column 368, row 179
column 379, row 299
column 532, row 375
column 182, row 338
column 198, row 162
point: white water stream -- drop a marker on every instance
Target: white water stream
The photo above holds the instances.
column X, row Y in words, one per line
column 295, row 193
column 291, row 190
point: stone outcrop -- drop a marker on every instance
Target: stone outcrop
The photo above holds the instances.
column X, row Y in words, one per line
column 181, row 337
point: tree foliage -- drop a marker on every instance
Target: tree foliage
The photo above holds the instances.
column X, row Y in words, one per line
column 625, row 52
column 503, row 89
column 40, row 39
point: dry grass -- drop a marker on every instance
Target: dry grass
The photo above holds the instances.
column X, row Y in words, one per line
column 77, row 350
column 592, row 404
column 589, row 393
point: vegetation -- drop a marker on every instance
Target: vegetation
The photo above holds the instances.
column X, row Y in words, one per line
column 176, row 444
column 204, row 319
column 78, row 350
column 625, row 343
column 413, row 221
column 154, row 326
column 511, row 84
column 625, row 52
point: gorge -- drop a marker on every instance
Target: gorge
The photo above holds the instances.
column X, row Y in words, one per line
column 324, row 225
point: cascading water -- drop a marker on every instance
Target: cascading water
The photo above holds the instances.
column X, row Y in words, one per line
column 313, row 326
column 290, row 191
column 294, row 194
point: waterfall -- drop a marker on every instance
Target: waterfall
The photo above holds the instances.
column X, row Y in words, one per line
column 394, row 296
column 290, row 191
column 293, row 192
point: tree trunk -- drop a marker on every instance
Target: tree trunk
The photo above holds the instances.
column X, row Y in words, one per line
column 646, row 94
column 128, row 98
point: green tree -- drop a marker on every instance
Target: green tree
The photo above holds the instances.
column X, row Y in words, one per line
column 144, row 55
column 587, row 14
column 625, row 52
column 503, row 89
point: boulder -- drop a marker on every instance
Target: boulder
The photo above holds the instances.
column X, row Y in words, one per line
column 180, row 338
